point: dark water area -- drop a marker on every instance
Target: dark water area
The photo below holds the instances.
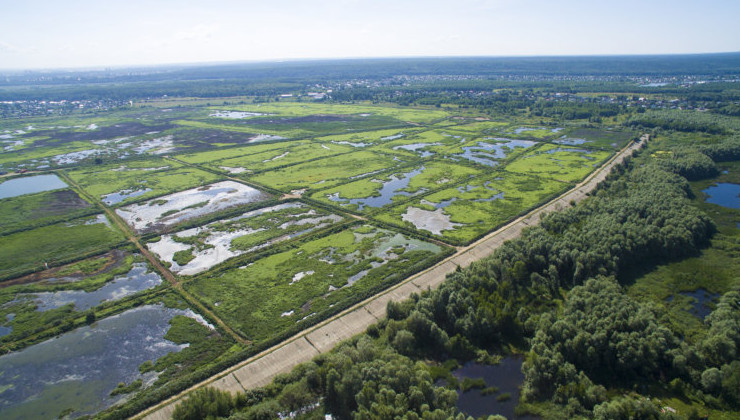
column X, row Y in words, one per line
column 79, row 369
column 489, row 153
column 724, row 194
column 701, row 301
column 30, row 185
column 136, row 280
column 507, row 376
column 390, row 189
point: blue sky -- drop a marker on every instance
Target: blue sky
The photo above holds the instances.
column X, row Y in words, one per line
column 103, row 33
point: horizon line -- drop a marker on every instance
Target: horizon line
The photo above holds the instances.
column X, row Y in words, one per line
column 327, row 59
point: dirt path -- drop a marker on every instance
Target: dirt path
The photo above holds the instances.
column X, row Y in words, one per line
column 259, row 370
column 163, row 271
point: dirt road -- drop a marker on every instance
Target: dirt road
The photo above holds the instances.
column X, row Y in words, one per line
column 260, row 369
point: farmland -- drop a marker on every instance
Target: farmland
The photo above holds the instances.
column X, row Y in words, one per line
column 246, row 221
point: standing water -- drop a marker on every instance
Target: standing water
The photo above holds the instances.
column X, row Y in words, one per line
column 79, row 369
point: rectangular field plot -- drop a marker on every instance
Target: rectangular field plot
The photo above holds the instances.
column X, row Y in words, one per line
column 198, row 249
column 419, row 144
column 290, row 153
column 288, row 126
column 158, row 214
column 327, row 172
column 296, row 109
column 372, row 193
column 213, row 156
column 488, row 151
column 269, row 296
column 368, row 138
column 135, row 181
column 562, row 163
column 590, row 138
column 32, row 249
column 31, row 210
column 463, row 213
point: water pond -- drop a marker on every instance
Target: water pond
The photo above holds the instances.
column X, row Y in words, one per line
column 79, row 369
column 489, row 153
column 235, row 114
column 117, row 197
column 171, row 209
column 418, row 148
column 507, row 376
column 390, row 189
column 30, row 184
column 724, row 194
column 565, row 140
column 136, row 280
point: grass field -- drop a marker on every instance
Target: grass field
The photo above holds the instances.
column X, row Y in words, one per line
column 327, row 172
column 474, row 208
column 30, row 250
column 148, row 178
column 290, row 153
column 32, row 210
column 562, row 163
column 372, row 193
column 272, row 294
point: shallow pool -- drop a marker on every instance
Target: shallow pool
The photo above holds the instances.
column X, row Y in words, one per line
column 30, row 184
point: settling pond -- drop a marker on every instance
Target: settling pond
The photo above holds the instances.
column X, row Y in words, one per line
column 79, row 369
column 29, row 185
column 507, row 376
column 136, row 280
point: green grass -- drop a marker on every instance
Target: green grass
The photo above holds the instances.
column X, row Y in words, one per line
column 289, row 154
column 100, row 181
column 300, row 109
column 562, row 163
column 325, row 172
column 434, row 175
column 520, row 193
column 33, row 210
column 29, row 250
column 259, row 300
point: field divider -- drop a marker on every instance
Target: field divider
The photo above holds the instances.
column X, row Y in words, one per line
column 164, row 272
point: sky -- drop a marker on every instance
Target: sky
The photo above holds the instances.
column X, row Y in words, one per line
column 38, row 34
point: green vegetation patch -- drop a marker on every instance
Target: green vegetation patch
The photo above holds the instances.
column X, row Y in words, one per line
column 327, row 172
column 32, row 210
column 462, row 213
column 54, row 244
column 298, row 109
column 126, row 183
column 270, row 295
column 289, row 154
column 372, row 193
column 604, row 139
column 198, row 249
column 563, row 163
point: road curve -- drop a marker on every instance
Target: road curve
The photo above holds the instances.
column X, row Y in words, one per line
column 259, row 370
